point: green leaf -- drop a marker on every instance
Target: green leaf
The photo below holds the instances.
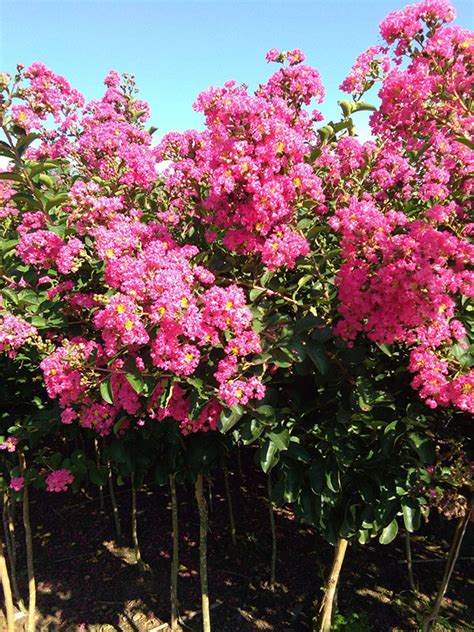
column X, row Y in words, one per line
column 361, row 106
column 24, row 141
column 136, row 382
column 106, row 391
column 333, row 479
column 465, row 141
column 316, row 476
column 98, row 476
column 251, row 430
column 254, row 294
column 424, row 447
column 317, row 355
column 389, row 533
column 56, row 200
column 6, row 175
column 229, row 417
column 411, row 515
column 269, row 456
column 280, row 439
column 292, row 485
column 364, row 536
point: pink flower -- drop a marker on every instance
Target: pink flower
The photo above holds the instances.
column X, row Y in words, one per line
column 9, row 444
column 17, row 483
column 59, row 480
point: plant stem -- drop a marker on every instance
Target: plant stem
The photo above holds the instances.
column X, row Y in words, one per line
column 230, row 508
column 203, row 525
column 274, row 538
column 7, row 591
column 113, row 500
column 136, row 545
column 175, row 558
column 459, row 533
column 328, row 600
column 411, row 579
column 29, row 550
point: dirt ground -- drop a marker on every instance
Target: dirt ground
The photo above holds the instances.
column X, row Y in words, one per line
column 87, row 581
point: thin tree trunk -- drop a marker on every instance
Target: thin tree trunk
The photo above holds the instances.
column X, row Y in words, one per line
column 274, row 538
column 411, row 578
column 203, row 524
column 461, row 528
column 239, row 464
column 10, row 541
column 29, row 550
column 7, row 591
column 101, row 489
column 328, row 600
column 113, row 500
column 230, row 508
column 136, row 544
column 210, row 506
column 175, row 627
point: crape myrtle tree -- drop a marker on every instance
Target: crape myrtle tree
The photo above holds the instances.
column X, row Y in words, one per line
column 283, row 286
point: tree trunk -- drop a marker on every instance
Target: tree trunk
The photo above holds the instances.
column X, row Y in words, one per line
column 175, row 627
column 274, row 538
column 230, row 508
column 10, row 542
column 203, row 524
column 328, row 600
column 461, row 528
column 7, row 591
column 101, row 489
column 29, row 550
column 136, row 544
column 113, row 500
column 411, row 579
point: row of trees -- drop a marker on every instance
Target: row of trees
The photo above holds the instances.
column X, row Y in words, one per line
column 282, row 285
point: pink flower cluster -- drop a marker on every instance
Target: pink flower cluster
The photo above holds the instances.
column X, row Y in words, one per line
column 247, row 170
column 46, row 94
column 407, row 258
column 407, row 24
column 369, row 66
column 14, row 333
column 9, row 444
column 59, row 480
column 17, row 483
column 178, row 408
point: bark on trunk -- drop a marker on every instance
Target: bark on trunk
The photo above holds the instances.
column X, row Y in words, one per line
column 7, row 591
column 461, row 528
column 29, row 550
column 328, row 600
column 175, row 627
column 203, row 524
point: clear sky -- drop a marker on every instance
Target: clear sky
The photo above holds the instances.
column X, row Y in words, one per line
column 178, row 48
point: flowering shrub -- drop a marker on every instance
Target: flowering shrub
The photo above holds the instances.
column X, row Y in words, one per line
column 308, row 291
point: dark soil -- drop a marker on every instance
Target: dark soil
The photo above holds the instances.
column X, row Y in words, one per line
column 87, row 581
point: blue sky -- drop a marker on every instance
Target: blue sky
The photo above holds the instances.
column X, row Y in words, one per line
column 176, row 49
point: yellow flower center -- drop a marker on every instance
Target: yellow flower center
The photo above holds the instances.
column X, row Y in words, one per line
column 120, row 308
column 129, row 325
